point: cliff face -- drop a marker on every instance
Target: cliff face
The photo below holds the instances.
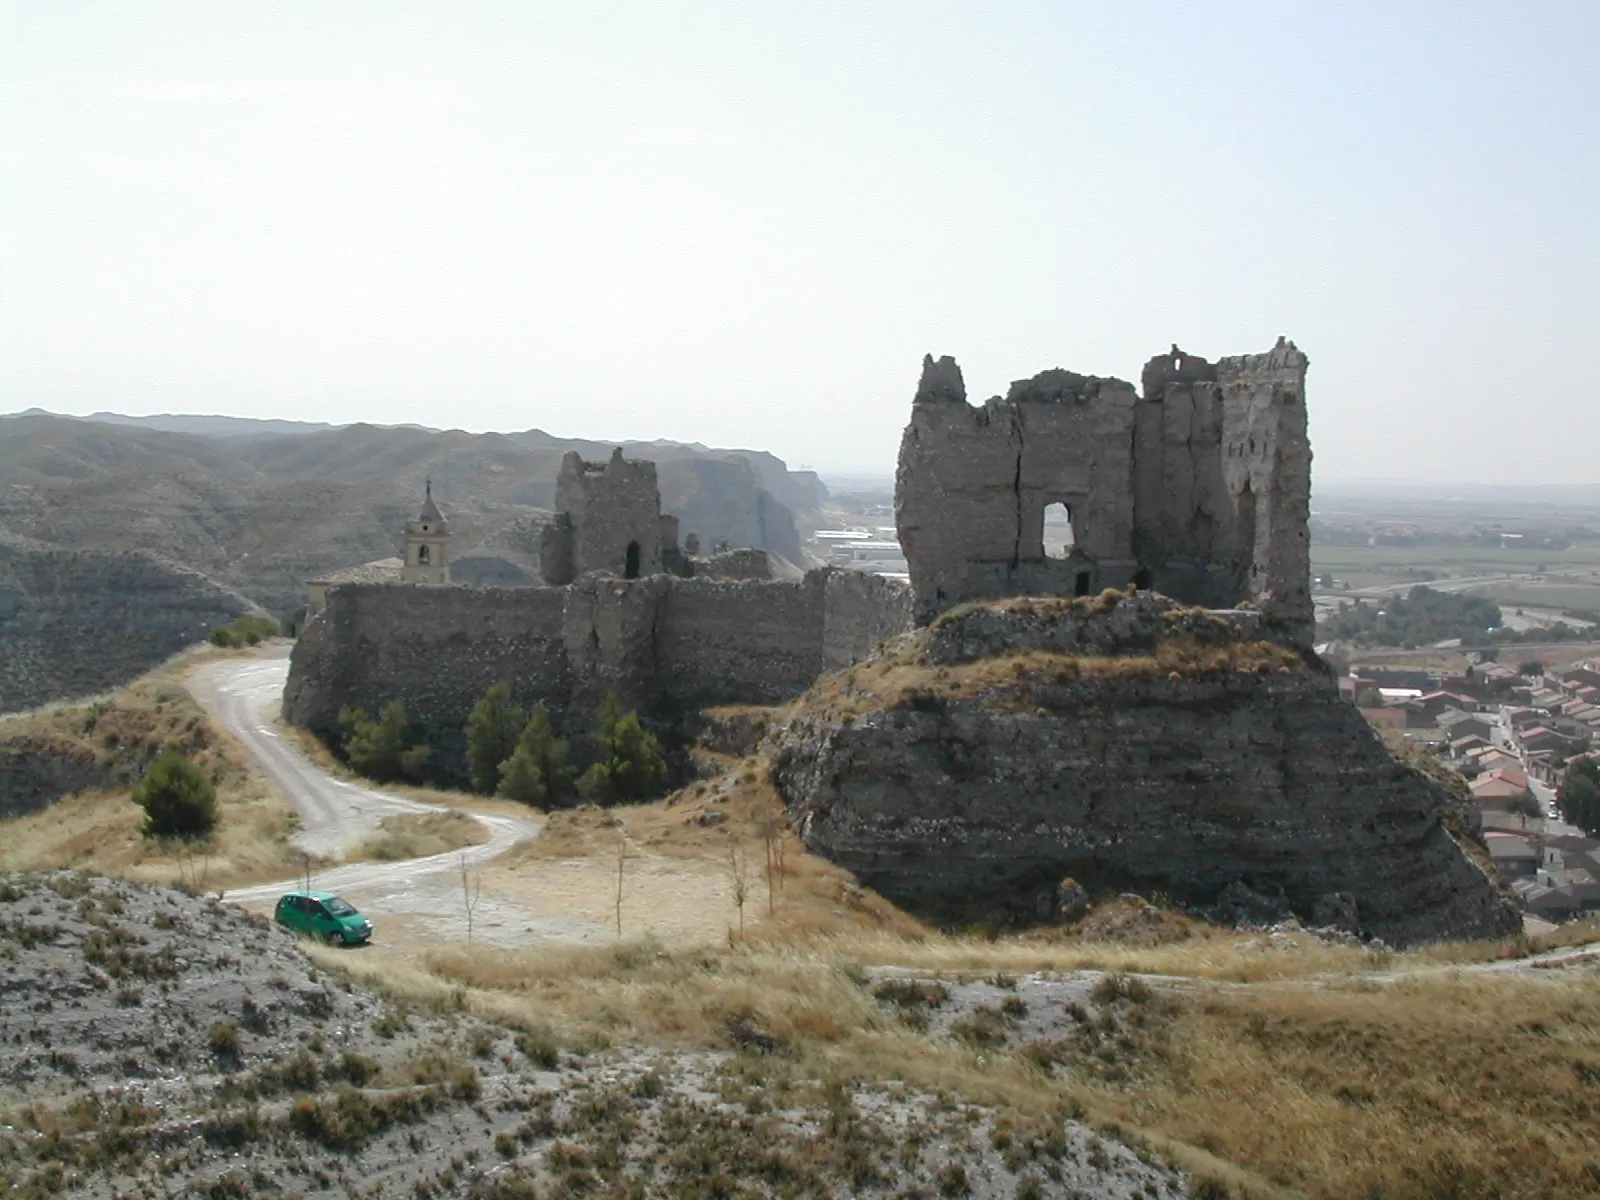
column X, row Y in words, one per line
column 73, row 623
column 974, row 765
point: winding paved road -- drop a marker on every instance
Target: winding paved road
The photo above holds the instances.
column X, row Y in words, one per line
column 243, row 695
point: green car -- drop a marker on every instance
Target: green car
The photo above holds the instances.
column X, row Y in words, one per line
column 323, row 915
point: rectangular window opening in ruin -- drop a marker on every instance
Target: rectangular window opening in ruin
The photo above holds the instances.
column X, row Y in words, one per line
column 1059, row 539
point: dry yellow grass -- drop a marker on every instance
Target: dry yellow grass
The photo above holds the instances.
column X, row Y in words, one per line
column 1282, row 1067
column 414, row 835
column 1440, row 1083
column 1470, row 1086
column 98, row 831
column 900, row 679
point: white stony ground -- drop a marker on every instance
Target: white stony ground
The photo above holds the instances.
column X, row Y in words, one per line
column 154, row 1043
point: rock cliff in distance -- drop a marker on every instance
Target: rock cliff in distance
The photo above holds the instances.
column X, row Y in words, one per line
column 77, row 622
column 1128, row 741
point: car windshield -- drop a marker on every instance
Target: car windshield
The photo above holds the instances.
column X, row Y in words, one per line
column 338, row 908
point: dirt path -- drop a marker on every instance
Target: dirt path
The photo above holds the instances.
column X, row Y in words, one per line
column 243, row 696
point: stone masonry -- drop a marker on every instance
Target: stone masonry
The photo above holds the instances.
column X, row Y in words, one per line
column 609, row 520
column 664, row 645
column 1198, row 488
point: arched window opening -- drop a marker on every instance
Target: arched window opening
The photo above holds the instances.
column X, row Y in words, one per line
column 1059, row 539
column 630, row 569
column 422, row 555
column 1082, row 586
column 1141, row 579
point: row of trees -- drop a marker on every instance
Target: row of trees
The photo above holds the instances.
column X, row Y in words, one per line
column 1419, row 618
column 1579, row 795
column 518, row 755
column 515, row 754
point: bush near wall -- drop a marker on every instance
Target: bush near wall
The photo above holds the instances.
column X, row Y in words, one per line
column 246, row 631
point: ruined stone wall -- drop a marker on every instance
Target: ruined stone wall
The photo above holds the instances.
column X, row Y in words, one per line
column 1199, row 489
column 435, row 649
column 614, row 509
column 662, row 645
column 739, row 642
column 1267, row 461
column 973, row 485
column 859, row 611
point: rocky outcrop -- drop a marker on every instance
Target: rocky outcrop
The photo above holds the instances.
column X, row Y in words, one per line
column 34, row 775
column 1126, row 741
column 73, row 623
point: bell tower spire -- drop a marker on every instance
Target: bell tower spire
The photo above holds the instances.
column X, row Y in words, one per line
column 427, row 557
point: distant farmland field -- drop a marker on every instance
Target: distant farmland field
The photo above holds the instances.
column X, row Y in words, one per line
column 1368, row 566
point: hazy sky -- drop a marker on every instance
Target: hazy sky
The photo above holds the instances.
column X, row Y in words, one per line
column 745, row 223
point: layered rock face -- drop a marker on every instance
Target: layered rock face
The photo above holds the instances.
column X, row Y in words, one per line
column 73, row 623
column 1126, row 741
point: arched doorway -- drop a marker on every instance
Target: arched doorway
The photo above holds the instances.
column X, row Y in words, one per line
column 630, row 568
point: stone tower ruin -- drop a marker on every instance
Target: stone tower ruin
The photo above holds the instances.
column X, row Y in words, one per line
column 1198, row 488
column 608, row 519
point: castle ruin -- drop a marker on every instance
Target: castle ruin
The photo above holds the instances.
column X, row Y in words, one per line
column 608, row 519
column 1199, row 488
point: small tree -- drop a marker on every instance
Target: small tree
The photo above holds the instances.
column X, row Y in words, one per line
column 492, row 731
column 471, row 891
column 1369, row 698
column 177, row 798
column 1524, row 805
column 385, row 749
column 1579, row 795
column 630, row 767
column 1531, row 668
column 622, row 862
column 538, row 771
column 771, row 829
column 739, row 878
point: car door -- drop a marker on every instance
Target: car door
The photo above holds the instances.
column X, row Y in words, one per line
column 322, row 923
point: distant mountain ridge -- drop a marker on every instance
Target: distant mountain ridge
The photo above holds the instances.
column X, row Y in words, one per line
column 260, row 513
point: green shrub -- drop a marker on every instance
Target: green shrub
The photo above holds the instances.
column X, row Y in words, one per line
column 223, row 1039
column 538, row 771
column 539, row 1047
column 177, row 798
column 246, row 631
column 386, row 749
column 491, row 736
column 631, row 767
column 1579, row 794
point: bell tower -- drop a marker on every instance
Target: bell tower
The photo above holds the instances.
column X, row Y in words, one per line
column 427, row 545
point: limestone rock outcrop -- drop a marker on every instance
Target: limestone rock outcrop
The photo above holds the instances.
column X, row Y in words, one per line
column 1127, row 741
column 76, row 622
